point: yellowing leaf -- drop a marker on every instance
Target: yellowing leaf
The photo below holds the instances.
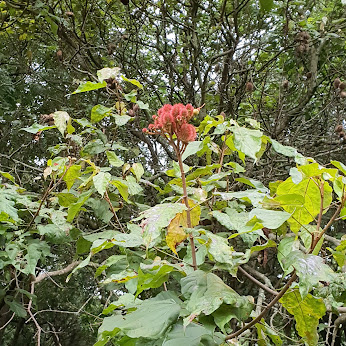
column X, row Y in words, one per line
column 175, row 234
column 175, row 231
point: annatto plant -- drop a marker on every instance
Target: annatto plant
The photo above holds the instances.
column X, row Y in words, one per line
column 171, row 264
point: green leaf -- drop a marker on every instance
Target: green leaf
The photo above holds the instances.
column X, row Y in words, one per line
column 192, row 335
column 66, row 199
column 133, row 81
column 60, row 120
column 52, row 233
column 101, row 181
column 310, row 269
column 98, row 112
column 138, row 170
column 126, row 301
column 205, row 292
column 122, row 188
column 339, row 165
column 283, row 149
column 270, row 218
column 306, row 312
column 73, row 173
column 34, row 128
column 151, row 319
column 247, row 141
column 310, row 192
column 7, row 176
column 157, row 218
column 121, row 120
column 7, row 207
column 223, row 254
column 108, row 72
column 15, row 307
column 113, row 159
column 155, row 274
column 286, row 246
column 267, row 5
column 74, row 208
column 192, row 148
column 88, row 86
column 142, row 105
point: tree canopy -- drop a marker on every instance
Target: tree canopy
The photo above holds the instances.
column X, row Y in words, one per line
column 172, row 172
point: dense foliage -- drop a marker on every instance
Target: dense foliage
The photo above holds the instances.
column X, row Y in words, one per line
column 199, row 225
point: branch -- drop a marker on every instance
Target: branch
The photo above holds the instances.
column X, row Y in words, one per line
column 63, row 271
column 265, row 310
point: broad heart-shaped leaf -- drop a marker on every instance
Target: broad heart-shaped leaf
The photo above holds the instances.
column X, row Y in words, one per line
column 151, row 320
column 192, row 335
column 133, row 81
column 224, row 256
column 271, row 219
column 71, row 175
column 155, row 274
column 157, row 218
column 88, row 86
column 114, row 159
column 252, row 196
column 192, row 148
column 108, row 72
column 205, row 292
column 126, row 301
column 101, row 181
column 239, row 222
column 310, row 269
column 7, row 208
column 306, row 312
column 138, row 170
column 175, row 231
column 60, row 120
column 34, row 128
column 98, row 112
column 36, row 249
column 247, row 141
column 122, row 188
column 74, row 208
column 307, row 188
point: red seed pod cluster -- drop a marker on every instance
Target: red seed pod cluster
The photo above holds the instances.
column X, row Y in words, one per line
column 173, row 120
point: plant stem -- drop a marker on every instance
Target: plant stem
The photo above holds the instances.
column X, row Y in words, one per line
column 188, row 211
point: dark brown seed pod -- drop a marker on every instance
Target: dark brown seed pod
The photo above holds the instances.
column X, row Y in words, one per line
column 249, row 87
column 285, row 84
column 308, row 75
column 339, row 128
column 336, row 83
column 342, row 134
column 343, row 94
column 342, row 86
column 59, row 55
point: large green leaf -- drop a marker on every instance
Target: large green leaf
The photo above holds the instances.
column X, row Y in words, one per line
column 155, row 274
column 270, row 218
column 286, row 246
column 98, row 112
column 151, row 320
column 310, row 269
column 192, row 335
column 113, row 159
column 306, row 312
column 157, row 218
column 101, row 181
column 223, row 254
column 61, row 119
column 247, row 141
column 73, row 173
column 74, row 208
column 307, row 189
column 88, row 86
column 206, row 292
